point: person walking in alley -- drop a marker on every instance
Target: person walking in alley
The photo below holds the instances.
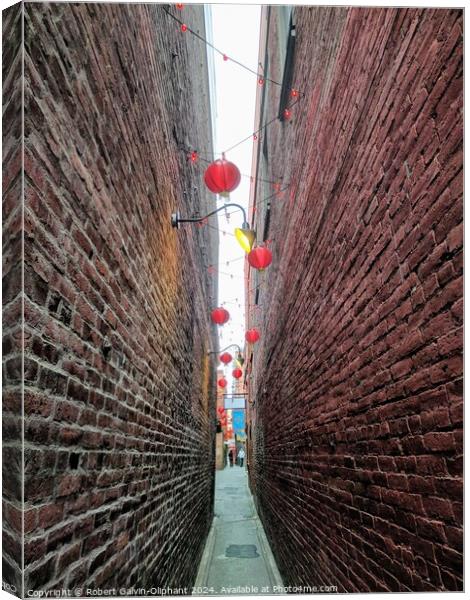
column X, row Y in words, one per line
column 231, row 457
column 241, row 456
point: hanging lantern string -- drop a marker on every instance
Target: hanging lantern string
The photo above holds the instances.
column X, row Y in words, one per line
column 250, row 290
column 258, row 203
column 205, row 224
column 218, row 229
column 208, row 161
column 262, row 202
column 230, row 275
column 260, row 76
column 250, row 306
column 245, row 139
column 255, row 204
column 262, row 128
column 226, row 262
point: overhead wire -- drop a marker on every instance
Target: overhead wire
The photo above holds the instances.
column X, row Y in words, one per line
column 261, row 78
column 223, row 54
column 297, row 94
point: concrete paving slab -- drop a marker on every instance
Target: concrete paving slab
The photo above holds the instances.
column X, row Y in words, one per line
column 237, row 559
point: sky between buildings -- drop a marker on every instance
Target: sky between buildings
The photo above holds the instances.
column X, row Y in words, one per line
column 235, row 32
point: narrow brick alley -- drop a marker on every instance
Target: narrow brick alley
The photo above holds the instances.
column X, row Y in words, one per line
column 285, row 418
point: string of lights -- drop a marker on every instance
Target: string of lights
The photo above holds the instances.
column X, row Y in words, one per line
column 296, row 94
column 252, row 290
column 286, row 115
column 222, row 231
column 261, row 77
column 255, row 205
column 226, row 262
column 259, row 203
column 222, row 177
column 231, row 275
column 194, row 156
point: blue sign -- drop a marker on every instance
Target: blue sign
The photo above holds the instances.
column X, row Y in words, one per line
column 238, row 422
column 234, row 401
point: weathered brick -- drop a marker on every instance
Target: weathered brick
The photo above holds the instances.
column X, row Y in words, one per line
column 67, row 557
column 439, row 441
column 361, row 310
column 38, row 576
column 110, row 290
column 49, row 515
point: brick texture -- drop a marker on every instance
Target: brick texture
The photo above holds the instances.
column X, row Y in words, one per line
column 356, row 384
column 11, row 299
column 119, row 394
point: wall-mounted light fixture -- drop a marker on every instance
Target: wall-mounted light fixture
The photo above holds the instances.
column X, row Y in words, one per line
column 244, row 235
column 239, row 360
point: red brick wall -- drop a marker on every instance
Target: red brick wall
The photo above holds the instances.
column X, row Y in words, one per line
column 11, row 298
column 357, row 379
column 119, row 390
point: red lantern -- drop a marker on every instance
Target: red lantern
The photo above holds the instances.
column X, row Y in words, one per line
column 220, row 316
column 237, row 373
column 252, row 335
column 222, row 382
column 226, row 357
column 222, row 176
column 260, row 258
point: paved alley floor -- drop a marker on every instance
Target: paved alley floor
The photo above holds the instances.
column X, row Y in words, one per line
column 237, row 558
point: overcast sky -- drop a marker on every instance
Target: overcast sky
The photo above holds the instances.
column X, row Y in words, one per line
column 236, row 33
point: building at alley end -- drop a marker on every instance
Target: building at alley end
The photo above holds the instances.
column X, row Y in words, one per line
column 355, row 387
column 119, row 389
